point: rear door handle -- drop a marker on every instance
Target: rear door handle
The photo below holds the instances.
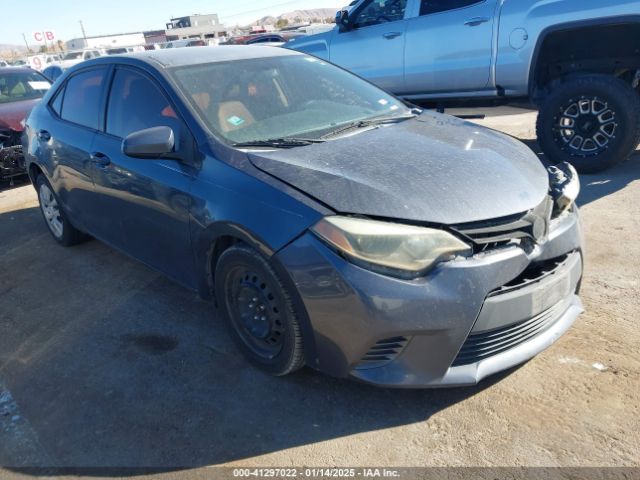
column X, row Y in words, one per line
column 100, row 159
column 475, row 21
column 44, row 135
column 390, row 35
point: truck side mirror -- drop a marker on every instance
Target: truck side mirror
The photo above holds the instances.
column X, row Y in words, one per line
column 343, row 21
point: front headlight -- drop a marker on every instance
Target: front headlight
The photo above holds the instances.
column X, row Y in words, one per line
column 406, row 249
column 564, row 186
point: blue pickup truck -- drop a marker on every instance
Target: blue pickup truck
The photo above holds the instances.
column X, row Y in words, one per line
column 577, row 61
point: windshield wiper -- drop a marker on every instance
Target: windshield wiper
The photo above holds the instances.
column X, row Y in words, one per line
column 286, row 142
column 381, row 120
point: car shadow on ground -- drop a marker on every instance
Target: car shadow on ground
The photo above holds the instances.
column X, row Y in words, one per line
column 115, row 370
column 17, row 182
column 598, row 185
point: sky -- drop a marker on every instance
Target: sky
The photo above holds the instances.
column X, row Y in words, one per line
column 123, row 16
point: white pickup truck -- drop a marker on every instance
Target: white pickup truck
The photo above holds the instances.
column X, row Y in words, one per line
column 578, row 61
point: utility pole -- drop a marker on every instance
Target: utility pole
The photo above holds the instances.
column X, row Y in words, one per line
column 84, row 34
column 24, row 37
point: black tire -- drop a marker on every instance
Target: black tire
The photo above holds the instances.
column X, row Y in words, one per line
column 68, row 235
column 259, row 311
column 605, row 138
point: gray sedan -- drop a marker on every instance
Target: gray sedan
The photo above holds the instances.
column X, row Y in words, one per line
column 333, row 225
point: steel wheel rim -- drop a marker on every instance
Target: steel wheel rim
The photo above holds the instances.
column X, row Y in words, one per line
column 51, row 211
column 255, row 313
column 586, row 127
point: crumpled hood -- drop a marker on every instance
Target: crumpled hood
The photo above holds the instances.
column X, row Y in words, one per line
column 11, row 114
column 435, row 168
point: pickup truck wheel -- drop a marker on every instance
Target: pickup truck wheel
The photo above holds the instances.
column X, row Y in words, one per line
column 56, row 220
column 259, row 311
column 590, row 121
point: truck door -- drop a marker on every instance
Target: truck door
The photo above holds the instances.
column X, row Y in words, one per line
column 449, row 45
column 374, row 47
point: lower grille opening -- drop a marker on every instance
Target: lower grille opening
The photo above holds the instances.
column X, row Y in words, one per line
column 383, row 352
column 486, row 344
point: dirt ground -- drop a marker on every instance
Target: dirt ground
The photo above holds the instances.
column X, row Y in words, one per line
column 104, row 363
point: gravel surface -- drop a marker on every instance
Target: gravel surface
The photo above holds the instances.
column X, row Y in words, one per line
column 105, row 363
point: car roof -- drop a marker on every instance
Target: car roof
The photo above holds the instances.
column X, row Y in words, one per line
column 179, row 57
column 19, row 70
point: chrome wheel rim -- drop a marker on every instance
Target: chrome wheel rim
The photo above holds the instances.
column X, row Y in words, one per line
column 51, row 211
column 586, row 127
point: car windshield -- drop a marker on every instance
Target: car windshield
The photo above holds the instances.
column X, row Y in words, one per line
column 16, row 86
column 281, row 97
column 72, row 56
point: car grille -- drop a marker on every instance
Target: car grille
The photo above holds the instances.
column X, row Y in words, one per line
column 383, row 352
column 532, row 225
column 486, row 344
column 535, row 272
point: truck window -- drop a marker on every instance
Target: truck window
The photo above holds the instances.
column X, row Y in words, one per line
column 427, row 7
column 375, row 12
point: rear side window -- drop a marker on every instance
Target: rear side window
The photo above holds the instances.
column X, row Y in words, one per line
column 428, row 7
column 56, row 103
column 82, row 99
column 136, row 103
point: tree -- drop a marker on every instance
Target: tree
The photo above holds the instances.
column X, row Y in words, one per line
column 282, row 22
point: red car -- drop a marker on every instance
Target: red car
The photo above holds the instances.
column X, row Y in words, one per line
column 20, row 90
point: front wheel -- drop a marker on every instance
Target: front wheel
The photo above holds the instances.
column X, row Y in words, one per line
column 591, row 121
column 259, row 311
column 57, row 223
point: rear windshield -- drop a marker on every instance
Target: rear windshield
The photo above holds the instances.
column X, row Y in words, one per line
column 277, row 97
column 15, row 87
column 72, row 56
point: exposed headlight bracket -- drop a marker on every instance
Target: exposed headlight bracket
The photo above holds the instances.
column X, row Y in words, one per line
column 564, row 186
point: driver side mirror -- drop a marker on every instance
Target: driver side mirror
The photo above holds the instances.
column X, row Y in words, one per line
column 156, row 142
column 343, row 21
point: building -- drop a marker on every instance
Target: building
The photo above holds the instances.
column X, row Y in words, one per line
column 155, row 36
column 106, row 41
column 203, row 27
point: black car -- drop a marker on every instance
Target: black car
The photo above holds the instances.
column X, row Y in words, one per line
column 333, row 225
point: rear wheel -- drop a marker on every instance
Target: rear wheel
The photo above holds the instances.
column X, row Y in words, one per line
column 57, row 223
column 590, row 121
column 259, row 311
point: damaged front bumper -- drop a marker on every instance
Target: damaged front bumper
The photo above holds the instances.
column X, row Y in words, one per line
column 466, row 320
column 12, row 163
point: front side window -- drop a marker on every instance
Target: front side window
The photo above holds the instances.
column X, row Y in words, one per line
column 18, row 86
column 375, row 12
column 82, row 99
column 280, row 97
column 136, row 103
column 428, row 7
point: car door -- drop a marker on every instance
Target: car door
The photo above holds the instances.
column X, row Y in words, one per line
column 374, row 45
column 143, row 203
column 449, row 46
column 66, row 139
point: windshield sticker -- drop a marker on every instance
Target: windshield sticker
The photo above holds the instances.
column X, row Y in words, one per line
column 39, row 85
column 235, row 121
column 382, row 101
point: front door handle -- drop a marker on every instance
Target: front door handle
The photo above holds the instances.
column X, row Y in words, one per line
column 44, row 135
column 100, row 159
column 390, row 35
column 475, row 21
